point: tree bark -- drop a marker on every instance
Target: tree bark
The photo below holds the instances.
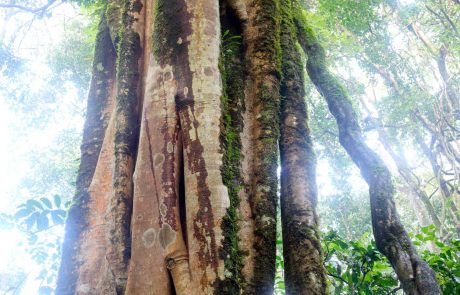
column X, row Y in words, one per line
column 84, row 218
column 177, row 188
column 304, row 272
column 415, row 275
column 263, row 53
column 129, row 71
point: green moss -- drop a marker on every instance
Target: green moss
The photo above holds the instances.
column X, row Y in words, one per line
column 303, row 259
column 113, row 14
column 232, row 105
column 128, row 52
column 267, row 76
column 406, row 245
column 169, row 28
column 269, row 16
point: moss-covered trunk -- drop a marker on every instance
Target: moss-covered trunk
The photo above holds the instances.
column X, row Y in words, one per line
column 415, row 275
column 304, row 271
column 177, row 188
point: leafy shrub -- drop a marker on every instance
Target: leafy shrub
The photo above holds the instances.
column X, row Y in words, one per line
column 357, row 267
column 445, row 261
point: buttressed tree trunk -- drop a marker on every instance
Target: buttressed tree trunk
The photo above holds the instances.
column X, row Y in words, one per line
column 177, row 187
column 415, row 275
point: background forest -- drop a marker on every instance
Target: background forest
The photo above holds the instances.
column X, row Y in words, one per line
column 398, row 60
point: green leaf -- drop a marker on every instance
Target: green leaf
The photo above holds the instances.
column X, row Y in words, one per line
column 341, row 244
column 419, row 237
column 439, row 244
column 355, row 277
column 427, row 229
column 34, row 203
column 22, row 213
column 45, row 290
column 42, row 221
column 46, row 202
column 32, row 239
column 56, row 217
column 60, row 212
column 30, row 221
column 57, row 201
column 281, row 286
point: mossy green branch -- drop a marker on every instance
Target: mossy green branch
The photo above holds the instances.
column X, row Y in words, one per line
column 113, row 14
column 264, row 51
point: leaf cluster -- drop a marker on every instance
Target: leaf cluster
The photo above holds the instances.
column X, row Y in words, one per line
column 357, row 267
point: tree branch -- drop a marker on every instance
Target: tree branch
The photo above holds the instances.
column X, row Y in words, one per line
column 39, row 10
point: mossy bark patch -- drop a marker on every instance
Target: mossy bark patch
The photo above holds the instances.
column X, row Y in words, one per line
column 261, row 36
column 232, row 69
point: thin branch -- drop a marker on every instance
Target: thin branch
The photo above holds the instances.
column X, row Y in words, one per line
column 394, row 290
column 451, row 23
column 39, row 10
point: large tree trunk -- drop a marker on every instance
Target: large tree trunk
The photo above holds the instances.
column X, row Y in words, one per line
column 85, row 213
column 177, row 187
column 415, row 275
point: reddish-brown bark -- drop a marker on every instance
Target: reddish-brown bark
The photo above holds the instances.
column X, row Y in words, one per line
column 181, row 197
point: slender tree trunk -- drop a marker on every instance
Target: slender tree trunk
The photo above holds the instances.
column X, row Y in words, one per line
column 446, row 193
column 304, row 271
column 392, row 240
column 178, row 183
column 118, row 215
column 411, row 180
column 263, row 53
